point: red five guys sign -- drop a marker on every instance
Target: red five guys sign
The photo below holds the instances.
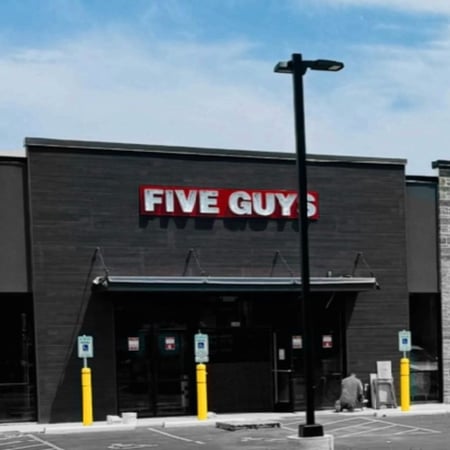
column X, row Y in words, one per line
column 223, row 203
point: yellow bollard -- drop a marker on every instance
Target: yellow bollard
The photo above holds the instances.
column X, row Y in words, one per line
column 202, row 397
column 86, row 390
column 404, row 384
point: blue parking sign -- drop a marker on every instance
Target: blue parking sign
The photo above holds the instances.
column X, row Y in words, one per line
column 85, row 347
column 404, row 341
column 201, row 348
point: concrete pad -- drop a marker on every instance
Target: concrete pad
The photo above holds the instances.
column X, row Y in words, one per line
column 314, row 443
column 239, row 425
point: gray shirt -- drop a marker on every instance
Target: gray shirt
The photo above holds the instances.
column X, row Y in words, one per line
column 352, row 391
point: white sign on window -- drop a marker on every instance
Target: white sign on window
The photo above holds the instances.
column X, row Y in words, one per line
column 297, row 342
column 133, row 344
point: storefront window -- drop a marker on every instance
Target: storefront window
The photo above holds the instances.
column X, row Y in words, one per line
column 424, row 355
column 17, row 385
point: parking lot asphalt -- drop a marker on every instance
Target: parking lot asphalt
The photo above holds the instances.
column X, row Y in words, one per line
column 422, row 427
column 349, row 432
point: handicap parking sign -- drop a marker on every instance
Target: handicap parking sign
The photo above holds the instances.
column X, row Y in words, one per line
column 85, row 347
column 201, row 348
column 404, row 341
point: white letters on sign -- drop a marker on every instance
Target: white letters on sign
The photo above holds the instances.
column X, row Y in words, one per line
column 197, row 202
column 243, row 203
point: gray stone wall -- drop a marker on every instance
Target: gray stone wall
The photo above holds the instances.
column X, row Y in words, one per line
column 444, row 245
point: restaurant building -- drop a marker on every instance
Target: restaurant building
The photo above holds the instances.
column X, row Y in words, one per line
column 141, row 247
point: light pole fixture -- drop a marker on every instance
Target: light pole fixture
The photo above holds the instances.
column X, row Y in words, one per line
column 298, row 67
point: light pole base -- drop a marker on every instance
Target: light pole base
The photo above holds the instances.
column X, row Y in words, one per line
column 311, row 430
column 314, row 443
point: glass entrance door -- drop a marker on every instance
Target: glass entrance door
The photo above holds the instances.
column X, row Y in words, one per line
column 283, row 372
column 153, row 378
column 170, row 376
column 329, row 349
column 288, row 358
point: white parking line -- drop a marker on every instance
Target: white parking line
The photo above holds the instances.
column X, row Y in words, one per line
column 358, row 426
column 5, row 437
column 28, row 446
column 284, row 427
column 131, row 446
column 349, row 419
column 412, row 430
column 428, row 430
column 13, row 442
column 19, row 441
column 356, row 433
column 174, row 436
column 369, row 426
column 54, row 447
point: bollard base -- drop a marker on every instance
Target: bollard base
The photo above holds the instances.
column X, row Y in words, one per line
column 325, row 442
column 310, row 430
column 129, row 418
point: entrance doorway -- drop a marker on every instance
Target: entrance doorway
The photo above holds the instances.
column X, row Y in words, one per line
column 153, row 377
column 156, row 370
column 328, row 346
column 255, row 344
column 283, row 371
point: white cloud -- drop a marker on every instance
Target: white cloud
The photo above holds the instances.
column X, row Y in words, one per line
column 417, row 6
column 388, row 102
column 396, row 106
column 118, row 89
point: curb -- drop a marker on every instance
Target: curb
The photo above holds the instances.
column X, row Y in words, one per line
column 115, row 423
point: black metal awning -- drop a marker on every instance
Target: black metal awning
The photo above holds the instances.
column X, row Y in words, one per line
column 111, row 283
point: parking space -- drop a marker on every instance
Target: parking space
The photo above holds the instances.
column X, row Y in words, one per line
column 366, row 432
column 367, row 426
column 19, row 441
column 139, row 438
column 346, row 430
column 176, row 437
column 349, row 432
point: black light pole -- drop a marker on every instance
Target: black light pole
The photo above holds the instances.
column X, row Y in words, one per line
column 298, row 67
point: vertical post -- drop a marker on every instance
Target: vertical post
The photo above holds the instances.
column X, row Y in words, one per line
column 86, row 389
column 310, row 429
column 202, row 398
column 405, row 395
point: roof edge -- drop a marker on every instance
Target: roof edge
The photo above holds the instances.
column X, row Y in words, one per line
column 205, row 151
column 440, row 164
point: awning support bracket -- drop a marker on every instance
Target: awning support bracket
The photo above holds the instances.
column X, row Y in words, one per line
column 360, row 257
column 283, row 260
column 193, row 253
column 98, row 252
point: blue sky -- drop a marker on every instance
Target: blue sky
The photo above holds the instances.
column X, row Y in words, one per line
column 200, row 73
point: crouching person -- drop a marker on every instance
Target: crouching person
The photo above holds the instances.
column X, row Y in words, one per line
column 351, row 394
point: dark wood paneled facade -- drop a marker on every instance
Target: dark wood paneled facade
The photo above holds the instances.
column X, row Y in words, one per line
column 84, row 196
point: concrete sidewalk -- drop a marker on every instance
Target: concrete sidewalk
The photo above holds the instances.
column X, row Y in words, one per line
column 115, row 423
